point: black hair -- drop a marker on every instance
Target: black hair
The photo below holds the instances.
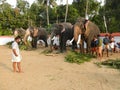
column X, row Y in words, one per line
column 98, row 35
column 18, row 37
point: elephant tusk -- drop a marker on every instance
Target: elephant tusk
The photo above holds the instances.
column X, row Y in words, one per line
column 72, row 40
column 79, row 39
column 63, row 30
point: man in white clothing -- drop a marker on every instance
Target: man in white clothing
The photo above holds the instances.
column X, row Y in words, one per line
column 16, row 57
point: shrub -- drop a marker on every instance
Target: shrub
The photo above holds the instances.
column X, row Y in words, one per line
column 5, row 32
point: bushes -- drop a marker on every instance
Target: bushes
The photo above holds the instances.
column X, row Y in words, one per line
column 5, row 32
column 74, row 57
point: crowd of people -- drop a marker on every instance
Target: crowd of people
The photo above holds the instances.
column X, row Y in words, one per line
column 107, row 44
column 98, row 45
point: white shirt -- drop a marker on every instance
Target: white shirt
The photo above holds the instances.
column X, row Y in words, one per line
column 16, row 47
column 112, row 44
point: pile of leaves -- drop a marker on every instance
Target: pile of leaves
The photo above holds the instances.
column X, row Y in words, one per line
column 46, row 51
column 75, row 57
column 112, row 63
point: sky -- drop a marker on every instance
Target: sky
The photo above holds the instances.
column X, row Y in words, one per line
column 13, row 2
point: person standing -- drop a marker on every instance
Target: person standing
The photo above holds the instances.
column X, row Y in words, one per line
column 16, row 57
column 112, row 44
column 99, row 47
column 106, row 42
column 55, row 42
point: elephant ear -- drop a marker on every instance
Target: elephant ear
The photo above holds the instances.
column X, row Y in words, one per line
column 35, row 32
column 61, row 28
column 80, row 25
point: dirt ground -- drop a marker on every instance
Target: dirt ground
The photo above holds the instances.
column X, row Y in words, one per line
column 43, row 72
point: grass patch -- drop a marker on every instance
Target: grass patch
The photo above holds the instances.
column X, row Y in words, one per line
column 74, row 57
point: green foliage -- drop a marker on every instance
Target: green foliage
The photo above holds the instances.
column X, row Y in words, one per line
column 24, row 15
column 74, row 57
column 23, row 47
column 93, row 6
column 5, row 32
column 112, row 63
column 112, row 11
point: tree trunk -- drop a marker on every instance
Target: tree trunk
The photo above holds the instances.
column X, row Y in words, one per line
column 66, row 10
column 47, row 12
column 86, row 11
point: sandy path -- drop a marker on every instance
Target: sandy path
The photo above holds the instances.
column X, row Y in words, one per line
column 52, row 73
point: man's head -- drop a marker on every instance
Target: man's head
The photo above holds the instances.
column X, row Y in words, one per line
column 18, row 39
column 106, row 35
column 98, row 35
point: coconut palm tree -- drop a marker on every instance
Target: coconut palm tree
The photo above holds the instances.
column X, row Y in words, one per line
column 66, row 10
column 86, row 11
column 47, row 3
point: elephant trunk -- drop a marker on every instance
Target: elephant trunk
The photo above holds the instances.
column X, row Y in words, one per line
column 27, row 33
column 77, row 34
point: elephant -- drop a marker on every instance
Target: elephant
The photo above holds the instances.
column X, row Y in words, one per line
column 36, row 34
column 20, row 32
column 86, row 30
column 65, row 32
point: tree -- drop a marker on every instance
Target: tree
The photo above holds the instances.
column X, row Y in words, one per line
column 90, row 8
column 112, row 11
column 47, row 3
column 66, row 10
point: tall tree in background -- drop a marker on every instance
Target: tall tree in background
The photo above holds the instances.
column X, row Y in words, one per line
column 84, row 7
column 66, row 10
column 112, row 13
column 47, row 3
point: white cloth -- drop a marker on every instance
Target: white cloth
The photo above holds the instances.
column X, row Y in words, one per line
column 55, row 40
column 112, row 44
column 29, row 38
column 16, row 58
column 49, row 40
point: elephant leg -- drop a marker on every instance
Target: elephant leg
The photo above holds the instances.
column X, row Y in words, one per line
column 82, row 46
column 74, row 45
column 34, row 42
column 88, row 46
column 46, row 44
column 62, row 44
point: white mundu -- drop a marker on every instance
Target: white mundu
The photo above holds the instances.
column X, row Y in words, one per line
column 55, row 40
column 16, row 58
column 112, row 45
